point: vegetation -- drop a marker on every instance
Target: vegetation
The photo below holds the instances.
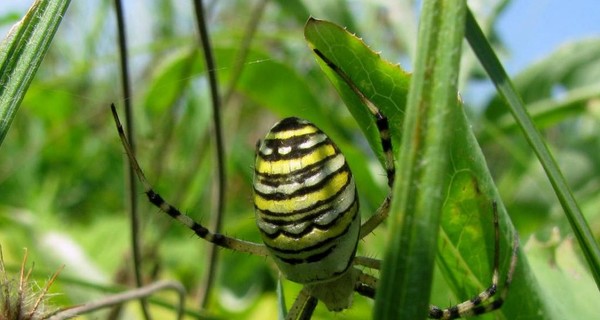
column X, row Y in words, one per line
column 63, row 190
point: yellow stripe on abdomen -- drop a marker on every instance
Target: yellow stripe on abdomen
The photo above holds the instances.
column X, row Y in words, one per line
column 305, row 202
column 302, row 200
column 290, row 165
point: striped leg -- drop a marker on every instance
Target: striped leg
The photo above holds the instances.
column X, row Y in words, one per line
column 158, row 201
column 483, row 302
column 386, row 143
column 366, row 285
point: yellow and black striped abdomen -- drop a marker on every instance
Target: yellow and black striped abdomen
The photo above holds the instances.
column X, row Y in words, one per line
column 305, row 201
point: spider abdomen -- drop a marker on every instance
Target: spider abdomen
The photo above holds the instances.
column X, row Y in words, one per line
column 305, row 202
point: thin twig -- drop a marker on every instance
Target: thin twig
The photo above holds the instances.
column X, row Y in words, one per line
column 221, row 178
column 135, row 243
column 119, row 298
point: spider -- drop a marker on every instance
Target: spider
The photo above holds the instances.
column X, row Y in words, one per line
column 307, row 212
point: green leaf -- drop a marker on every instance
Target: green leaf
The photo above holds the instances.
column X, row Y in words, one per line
column 22, row 52
column 466, row 244
column 506, row 89
column 384, row 84
column 466, row 189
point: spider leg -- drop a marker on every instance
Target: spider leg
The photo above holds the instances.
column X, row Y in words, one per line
column 154, row 198
column 386, row 144
column 483, row 302
column 303, row 306
column 376, row 219
column 366, row 285
column 370, row 263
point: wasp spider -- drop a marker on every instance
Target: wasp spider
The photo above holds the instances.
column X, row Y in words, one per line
column 307, row 213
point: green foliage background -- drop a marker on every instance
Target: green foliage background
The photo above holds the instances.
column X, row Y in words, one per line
column 62, row 186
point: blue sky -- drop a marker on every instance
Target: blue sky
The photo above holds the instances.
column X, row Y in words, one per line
column 532, row 29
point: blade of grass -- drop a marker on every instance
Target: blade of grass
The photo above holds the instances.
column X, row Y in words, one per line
column 22, row 52
column 547, row 112
column 407, row 269
column 496, row 72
